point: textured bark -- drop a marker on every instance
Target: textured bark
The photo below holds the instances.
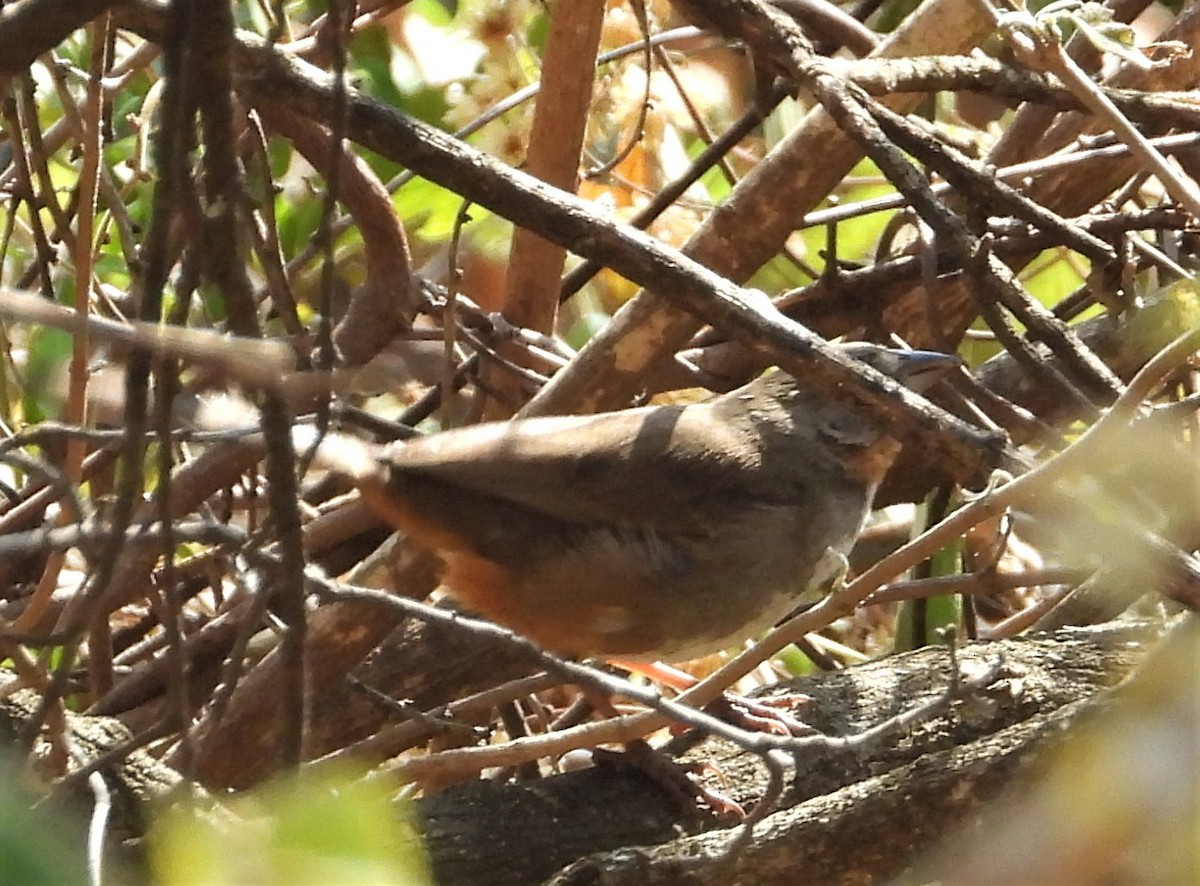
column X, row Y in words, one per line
column 845, row 819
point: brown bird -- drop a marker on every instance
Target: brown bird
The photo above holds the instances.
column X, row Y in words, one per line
column 665, row 532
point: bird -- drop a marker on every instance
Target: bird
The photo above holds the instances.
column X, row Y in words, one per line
column 658, row 533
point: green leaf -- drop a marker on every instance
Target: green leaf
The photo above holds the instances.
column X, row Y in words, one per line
column 38, row 846
column 327, row 829
column 48, row 353
column 1054, row 277
column 795, row 662
column 371, row 55
column 429, row 211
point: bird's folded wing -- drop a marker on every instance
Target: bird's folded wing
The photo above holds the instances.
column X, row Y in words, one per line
column 653, row 464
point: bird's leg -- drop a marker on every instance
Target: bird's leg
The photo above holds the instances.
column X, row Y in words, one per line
column 761, row 715
column 672, row 777
column 669, row 775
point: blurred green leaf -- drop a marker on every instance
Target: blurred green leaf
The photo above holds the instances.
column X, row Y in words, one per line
column 780, row 274
column 1166, row 316
column 329, row 829
column 37, row 847
column 585, row 327
column 432, row 11
column 539, row 29
column 296, row 221
column 428, row 210
column 371, row 54
column 47, row 356
column 1054, row 277
column 795, row 662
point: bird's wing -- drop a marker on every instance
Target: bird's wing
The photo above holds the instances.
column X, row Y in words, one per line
column 610, row 468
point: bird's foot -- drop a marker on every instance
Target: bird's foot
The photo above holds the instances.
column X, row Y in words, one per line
column 770, row 714
column 673, row 778
column 767, row 714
